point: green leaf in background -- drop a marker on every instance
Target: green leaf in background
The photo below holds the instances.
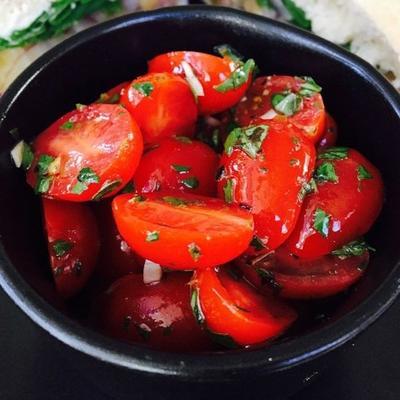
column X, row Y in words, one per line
column 298, row 15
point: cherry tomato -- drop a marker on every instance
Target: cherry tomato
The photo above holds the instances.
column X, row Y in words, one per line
column 157, row 314
column 265, row 169
column 178, row 164
column 88, row 154
column 73, row 243
column 185, row 232
column 330, row 134
column 284, row 98
column 162, row 104
column 116, row 258
column 113, row 95
column 346, row 204
column 231, row 307
column 218, row 82
column 297, row 278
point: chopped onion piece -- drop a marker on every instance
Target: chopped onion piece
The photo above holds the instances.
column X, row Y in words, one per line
column 152, row 272
column 55, row 166
column 192, row 80
column 17, row 153
column 271, row 114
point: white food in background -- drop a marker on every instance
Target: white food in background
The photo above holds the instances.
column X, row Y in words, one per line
column 152, row 272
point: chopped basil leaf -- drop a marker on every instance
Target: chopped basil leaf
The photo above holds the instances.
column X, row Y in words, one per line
column 363, row 173
column 106, row 188
column 129, row 188
column 334, row 153
column 183, row 139
column 136, row 199
column 194, row 251
column 191, row 183
column 196, row 308
column 67, row 125
column 43, row 184
column 354, row 248
column 181, row 168
column 321, row 222
column 237, row 78
column 224, row 50
column 257, row 243
column 175, row 201
column 286, row 103
column 326, row 173
column 152, row 236
column 307, row 188
column 228, row 191
column 79, row 188
column 79, row 106
column 43, row 163
column 61, row 247
column 248, row 139
column 27, row 156
column 145, row 88
column 298, row 15
column 87, row 175
column 309, row 87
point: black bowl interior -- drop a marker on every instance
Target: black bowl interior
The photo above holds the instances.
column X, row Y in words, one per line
column 366, row 108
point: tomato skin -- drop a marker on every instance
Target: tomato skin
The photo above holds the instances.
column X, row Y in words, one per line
column 130, row 308
column 330, row 134
column 158, row 168
column 75, row 224
column 297, row 278
column 102, row 137
column 200, row 233
column 232, row 307
column 310, row 119
column 269, row 184
column 210, row 70
column 352, row 206
column 168, row 109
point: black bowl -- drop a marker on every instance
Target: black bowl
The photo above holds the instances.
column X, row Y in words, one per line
column 366, row 107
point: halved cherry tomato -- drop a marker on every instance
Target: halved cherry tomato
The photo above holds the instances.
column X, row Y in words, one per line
column 213, row 75
column 297, row 278
column 88, row 154
column 347, row 202
column 265, row 169
column 156, row 314
column 330, row 134
column 184, row 232
column 116, row 258
column 113, row 95
column 178, row 164
column 73, row 243
column 162, row 104
column 231, row 307
column 284, row 99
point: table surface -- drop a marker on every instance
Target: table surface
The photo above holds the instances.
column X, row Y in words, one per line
column 368, row 369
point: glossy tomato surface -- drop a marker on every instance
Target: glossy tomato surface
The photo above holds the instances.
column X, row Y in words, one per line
column 158, row 314
column 73, row 244
column 284, row 99
column 348, row 199
column 183, row 232
column 265, row 168
column 162, row 104
column 178, row 164
column 88, row 154
column 213, row 74
column 229, row 306
column 330, row 133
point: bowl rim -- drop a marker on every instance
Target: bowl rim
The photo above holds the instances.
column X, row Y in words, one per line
column 209, row 366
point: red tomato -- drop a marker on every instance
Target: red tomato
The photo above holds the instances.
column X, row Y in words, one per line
column 348, row 200
column 299, row 106
column 88, row 154
column 113, row 95
column 330, row 134
column 116, row 258
column 158, row 315
column 178, row 164
column 73, row 243
column 297, row 278
column 210, row 72
column 185, row 232
column 231, row 307
column 162, row 104
column 268, row 182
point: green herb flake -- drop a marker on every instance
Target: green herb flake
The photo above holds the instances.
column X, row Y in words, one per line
column 79, row 106
column 86, row 177
column 191, row 183
column 106, row 188
column 180, row 168
column 152, row 236
column 224, row 50
column 334, row 153
column 257, row 243
column 194, row 251
column 321, row 222
column 175, row 201
column 326, row 173
column 136, row 199
column 228, row 191
column 196, row 308
column 61, row 247
column 43, row 184
column 309, row 87
column 129, row 188
column 286, row 103
column 79, row 188
column 354, row 248
column 248, row 139
column 307, row 188
column 43, row 163
column 237, row 78
column 67, row 126
column 363, row 173
column 145, row 88
column 27, row 156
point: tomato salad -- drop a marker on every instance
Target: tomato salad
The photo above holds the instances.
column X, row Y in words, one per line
column 205, row 199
